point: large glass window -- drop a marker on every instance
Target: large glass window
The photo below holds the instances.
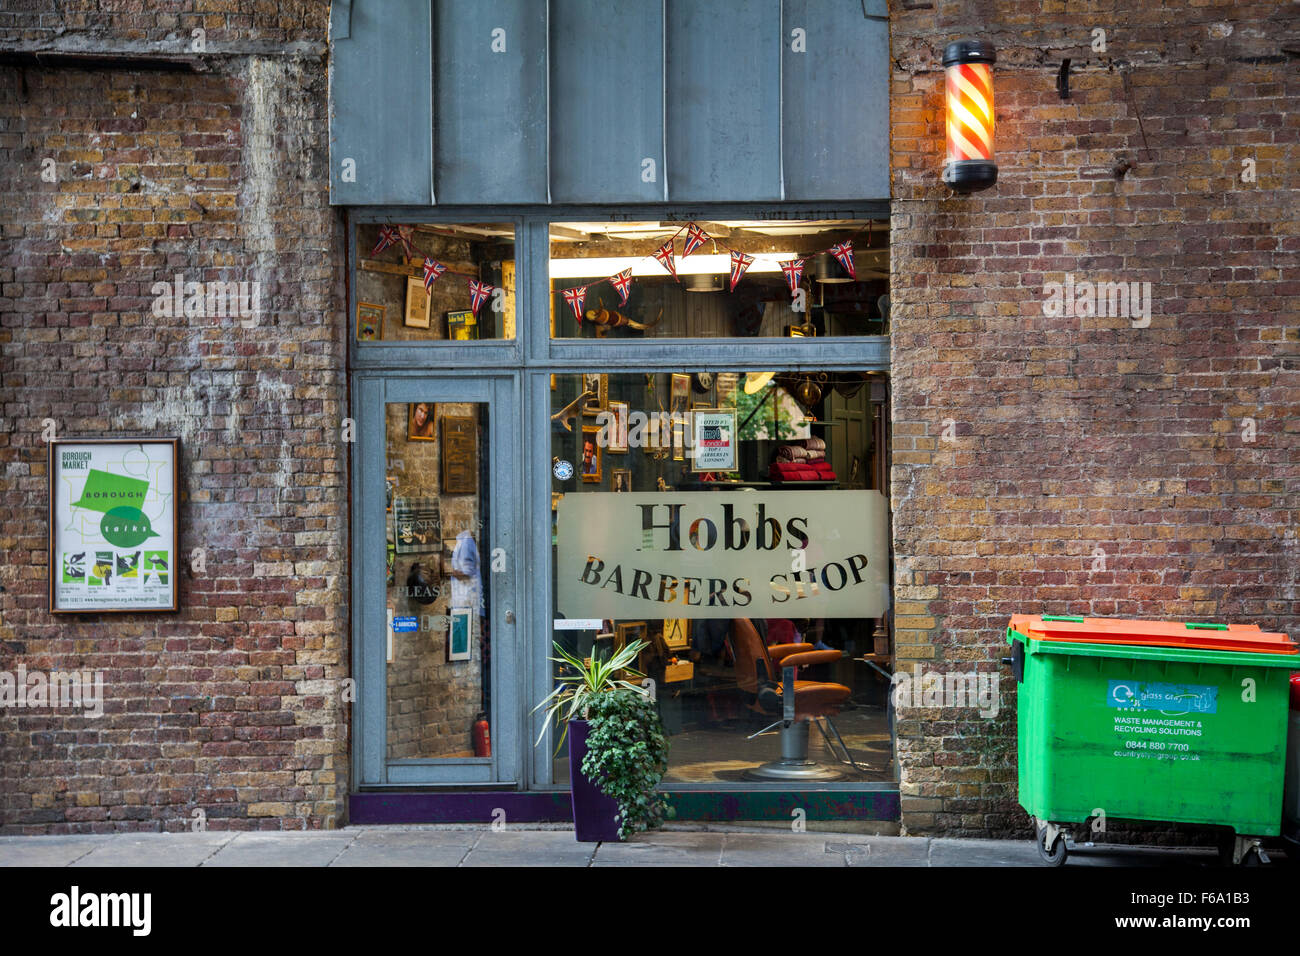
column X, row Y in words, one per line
column 730, row 279
column 426, row 283
column 731, row 519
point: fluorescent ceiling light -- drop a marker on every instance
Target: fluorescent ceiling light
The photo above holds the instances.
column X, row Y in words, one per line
column 698, row 264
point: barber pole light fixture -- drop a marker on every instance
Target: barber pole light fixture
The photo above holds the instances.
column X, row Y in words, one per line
column 968, row 65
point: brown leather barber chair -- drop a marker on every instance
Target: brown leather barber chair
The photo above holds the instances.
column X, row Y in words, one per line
column 770, row 674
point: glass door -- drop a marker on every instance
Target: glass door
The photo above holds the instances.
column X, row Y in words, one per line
column 435, row 580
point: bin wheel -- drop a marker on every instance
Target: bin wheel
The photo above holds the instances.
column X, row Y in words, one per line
column 1055, row 856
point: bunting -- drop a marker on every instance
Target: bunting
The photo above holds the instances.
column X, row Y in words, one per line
column 387, row 236
column 622, row 284
column 793, row 270
column 665, row 257
column 575, row 298
column 478, row 294
column 433, row 270
column 739, row 263
column 404, row 236
column 843, row 253
column 695, row 237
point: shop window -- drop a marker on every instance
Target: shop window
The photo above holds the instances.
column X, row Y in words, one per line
column 434, row 282
column 437, row 523
column 722, row 516
column 734, row 279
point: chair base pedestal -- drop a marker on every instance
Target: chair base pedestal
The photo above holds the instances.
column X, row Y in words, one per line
column 794, row 763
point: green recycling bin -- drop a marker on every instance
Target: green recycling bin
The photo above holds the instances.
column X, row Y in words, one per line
column 1152, row 721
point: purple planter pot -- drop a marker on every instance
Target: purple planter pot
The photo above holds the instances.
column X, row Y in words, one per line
column 593, row 811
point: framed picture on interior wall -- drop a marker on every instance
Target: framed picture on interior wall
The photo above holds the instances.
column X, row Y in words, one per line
column 417, row 303
column 114, row 536
column 419, row 422
column 679, row 393
column 713, row 439
column 727, row 383
column 677, row 634
column 679, row 438
column 620, row 479
column 625, row 633
column 590, row 462
column 458, row 634
column 459, row 455
column 595, row 382
column 462, row 325
column 370, row 322
column 618, row 427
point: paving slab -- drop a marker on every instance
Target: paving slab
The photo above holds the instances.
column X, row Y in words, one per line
column 662, row 849
column 946, row 852
column 157, row 849
column 298, row 848
column 48, row 850
column 408, row 848
column 753, row 849
column 886, row 851
column 530, row 848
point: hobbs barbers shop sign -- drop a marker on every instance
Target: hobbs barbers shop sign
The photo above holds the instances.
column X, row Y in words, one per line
column 723, row 554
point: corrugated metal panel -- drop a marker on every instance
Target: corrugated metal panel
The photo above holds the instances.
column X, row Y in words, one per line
column 607, row 106
column 379, row 101
column 836, row 101
column 724, row 100
column 490, row 94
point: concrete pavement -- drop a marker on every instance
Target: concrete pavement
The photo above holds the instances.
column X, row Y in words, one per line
column 553, row 846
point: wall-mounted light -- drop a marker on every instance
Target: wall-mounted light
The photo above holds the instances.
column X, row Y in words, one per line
column 968, row 65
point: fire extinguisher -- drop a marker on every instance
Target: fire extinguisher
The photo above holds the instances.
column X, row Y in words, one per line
column 482, row 739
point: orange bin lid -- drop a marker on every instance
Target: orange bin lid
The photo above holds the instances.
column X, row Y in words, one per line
column 1187, row 634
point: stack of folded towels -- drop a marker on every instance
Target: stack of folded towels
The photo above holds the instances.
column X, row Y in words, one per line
column 804, row 461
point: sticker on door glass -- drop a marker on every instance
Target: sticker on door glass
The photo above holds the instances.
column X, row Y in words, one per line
column 1172, row 700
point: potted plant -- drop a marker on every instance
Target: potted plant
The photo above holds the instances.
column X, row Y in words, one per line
column 617, row 748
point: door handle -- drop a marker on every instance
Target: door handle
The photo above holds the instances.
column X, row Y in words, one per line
column 510, row 617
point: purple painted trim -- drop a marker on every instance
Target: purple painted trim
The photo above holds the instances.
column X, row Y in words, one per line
column 459, row 807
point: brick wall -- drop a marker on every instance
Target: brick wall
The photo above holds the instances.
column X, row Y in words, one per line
column 232, row 706
column 1080, row 464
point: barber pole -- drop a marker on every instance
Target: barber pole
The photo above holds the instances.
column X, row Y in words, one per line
column 968, row 68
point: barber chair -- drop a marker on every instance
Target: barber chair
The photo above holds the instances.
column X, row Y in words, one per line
column 798, row 702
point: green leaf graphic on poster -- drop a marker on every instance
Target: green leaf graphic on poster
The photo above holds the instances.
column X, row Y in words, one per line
column 104, row 491
column 126, row 527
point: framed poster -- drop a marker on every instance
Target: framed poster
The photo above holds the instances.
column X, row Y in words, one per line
column 590, row 469
column 618, row 427
column 419, row 422
column 458, row 645
column 114, row 539
column 679, row 437
column 713, row 438
column 370, row 322
column 679, row 392
column 598, row 383
column 417, row 303
column 727, row 382
column 620, row 479
column 459, row 455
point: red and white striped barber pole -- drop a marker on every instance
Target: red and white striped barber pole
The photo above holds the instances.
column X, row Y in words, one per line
column 968, row 65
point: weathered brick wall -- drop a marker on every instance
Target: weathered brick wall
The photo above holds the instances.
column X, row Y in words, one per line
column 1081, row 464
column 232, row 706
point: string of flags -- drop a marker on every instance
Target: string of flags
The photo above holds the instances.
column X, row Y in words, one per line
column 740, row 262
column 621, row 282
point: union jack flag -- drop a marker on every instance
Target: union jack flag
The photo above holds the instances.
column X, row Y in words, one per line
column 843, row 253
column 478, row 294
column 433, row 270
column 793, row 270
column 695, row 237
column 665, row 257
column 622, row 284
column 387, row 236
column 739, row 263
column 575, row 298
